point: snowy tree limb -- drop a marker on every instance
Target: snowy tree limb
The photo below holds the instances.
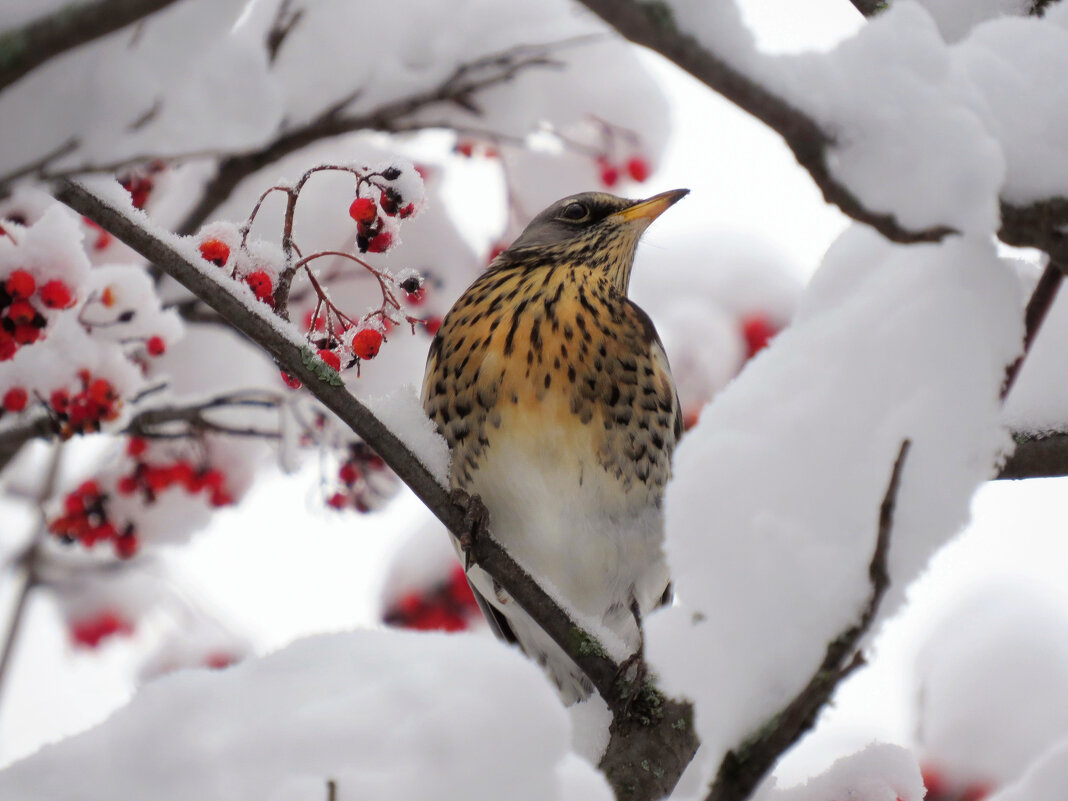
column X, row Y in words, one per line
column 1037, row 456
column 459, row 88
column 742, row 769
column 647, row 751
column 24, row 49
column 652, row 24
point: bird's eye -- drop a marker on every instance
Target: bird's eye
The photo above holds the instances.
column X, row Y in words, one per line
column 574, row 212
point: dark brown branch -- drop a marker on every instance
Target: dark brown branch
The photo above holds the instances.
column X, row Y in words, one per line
column 1037, row 456
column 652, row 24
column 459, row 88
column 1038, row 306
column 285, row 19
column 869, row 8
column 664, row 739
column 26, row 48
column 743, row 769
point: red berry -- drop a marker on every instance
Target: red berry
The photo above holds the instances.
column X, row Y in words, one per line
column 333, row 361
column 465, row 148
column 638, row 168
column 156, row 346
column 128, row 485
column 609, row 174
column 380, row 243
column 432, row 325
column 126, row 546
column 416, row 298
column 56, row 295
column 363, row 210
column 221, row 498
column 27, row 334
column 757, row 330
column 261, row 285
column 365, row 343
column 20, row 285
column 407, row 211
column 136, row 446
column 291, row 381
column 59, row 400
column 21, row 312
column 496, row 250
column 690, row 418
column 216, row 251
column 337, row 500
column 348, row 473
column 218, row 660
column 101, row 392
column 934, row 782
column 15, row 399
column 88, row 632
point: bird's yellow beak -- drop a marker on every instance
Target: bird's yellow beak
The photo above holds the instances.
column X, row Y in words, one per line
column 653, row 207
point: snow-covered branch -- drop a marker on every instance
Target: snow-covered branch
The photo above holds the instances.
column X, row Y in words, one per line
column 459, row 88
column 743, row 768
column 25, row 48
column 657, row 731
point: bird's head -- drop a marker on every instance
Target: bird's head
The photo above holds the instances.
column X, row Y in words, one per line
column 594, row 230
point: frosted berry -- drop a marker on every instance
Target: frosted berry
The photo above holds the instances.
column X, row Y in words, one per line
column 363, row 210
column 365, row 343
column 20, row 285
column 380, row 243
column 638, row 168
column 291, row 381
column 432, row 325
column 216, row 251
column 757, row 330
column 26, row 334
column 21, row 312
column 15, row 399
column 348, row 473
column 391, row 201
column 337, row 500
column 56, row 295
column 407, row 211
column 332, row 360
column 261, row 284
column 156, row 346
column 126, row 546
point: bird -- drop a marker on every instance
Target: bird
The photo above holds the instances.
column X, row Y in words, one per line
column 555, row 396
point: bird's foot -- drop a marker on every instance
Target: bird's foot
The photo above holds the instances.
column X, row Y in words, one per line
column 475, row 524
column 630, row 678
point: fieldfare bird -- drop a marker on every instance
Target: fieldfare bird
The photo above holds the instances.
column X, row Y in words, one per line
column 554, row 393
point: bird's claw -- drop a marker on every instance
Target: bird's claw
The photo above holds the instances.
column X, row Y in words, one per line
column 475, row 523
column 632, row 687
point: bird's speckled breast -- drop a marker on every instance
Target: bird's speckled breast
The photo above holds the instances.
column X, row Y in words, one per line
column 556, row 358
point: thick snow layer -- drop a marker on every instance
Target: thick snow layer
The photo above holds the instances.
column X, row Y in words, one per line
column 992, row 686
column 878, row 773
column 933, row 132
column 772, row 515
column 1046, row 780
column 387, row 715
column 402, row 413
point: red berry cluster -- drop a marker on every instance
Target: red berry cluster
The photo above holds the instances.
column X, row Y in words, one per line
column 636, row 167
column 83, row 411
column 89, row 632
column 259, row 281
column 448, row 606
column 372, row 235
column 85, row 520
column 151, row 479
column 21, row 321
column 357, row 491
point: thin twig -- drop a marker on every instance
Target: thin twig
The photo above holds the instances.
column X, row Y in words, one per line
column 742, row 769
column 1041, row 301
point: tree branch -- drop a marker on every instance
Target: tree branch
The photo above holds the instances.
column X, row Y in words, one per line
column 26, row 48
column 663, row 737
column 743, row 769
column 1037, row 456
column 458, row 88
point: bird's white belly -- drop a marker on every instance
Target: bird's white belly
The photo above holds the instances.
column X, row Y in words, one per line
column 571, row 524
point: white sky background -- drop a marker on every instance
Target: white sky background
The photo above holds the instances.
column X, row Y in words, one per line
column 281, row 567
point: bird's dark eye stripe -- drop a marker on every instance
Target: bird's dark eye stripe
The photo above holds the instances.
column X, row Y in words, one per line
column 575, row 211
